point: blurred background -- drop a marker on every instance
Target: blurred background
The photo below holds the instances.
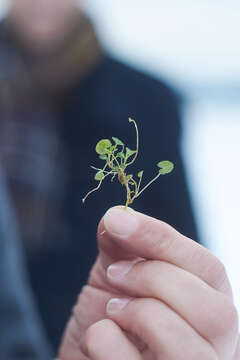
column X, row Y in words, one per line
column 194, row 46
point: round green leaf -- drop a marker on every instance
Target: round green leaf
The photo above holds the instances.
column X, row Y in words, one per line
column 129, row 152
column 103, row 157
column 129, row 177
column 102, row 146
column 121, row 155
column 99, row 175
column 117, row 141
column 113, row 147
column 165, row 167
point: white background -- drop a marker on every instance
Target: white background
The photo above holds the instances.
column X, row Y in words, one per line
column 195, row 46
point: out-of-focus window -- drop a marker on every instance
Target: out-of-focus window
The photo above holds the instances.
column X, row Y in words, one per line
column 3, row 5
column 194, row 46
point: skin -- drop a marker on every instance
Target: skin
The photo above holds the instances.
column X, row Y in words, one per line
column 42, row 24
column 177, row 298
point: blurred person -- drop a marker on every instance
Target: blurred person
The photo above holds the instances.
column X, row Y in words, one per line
column 59, row 94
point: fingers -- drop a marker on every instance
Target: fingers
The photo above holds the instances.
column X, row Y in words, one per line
column 89, row 309
column 128, row 234
column 167, row 335
column 190, row 297
column 237, row 352
column 106, row 341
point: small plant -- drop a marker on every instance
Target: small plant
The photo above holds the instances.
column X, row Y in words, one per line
column 117, row 158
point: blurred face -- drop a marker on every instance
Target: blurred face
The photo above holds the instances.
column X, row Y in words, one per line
column 42, row 23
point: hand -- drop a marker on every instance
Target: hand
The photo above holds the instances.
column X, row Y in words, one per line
column 152, row 294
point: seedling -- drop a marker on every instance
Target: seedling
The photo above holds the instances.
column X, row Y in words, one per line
column 117, row 158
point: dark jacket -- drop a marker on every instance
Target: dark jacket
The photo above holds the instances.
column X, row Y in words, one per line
column 98, row 108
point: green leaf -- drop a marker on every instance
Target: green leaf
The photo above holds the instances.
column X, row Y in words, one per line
column 121, row 155
column 99, row 175
column 112, row 148
column 103, row 146
column 117, row 141
column 165, row 167
column 140, row 174
column 129, row 152
column 103, row 157
column 129, row 177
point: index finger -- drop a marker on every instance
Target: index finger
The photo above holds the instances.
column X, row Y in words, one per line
column 137, row 235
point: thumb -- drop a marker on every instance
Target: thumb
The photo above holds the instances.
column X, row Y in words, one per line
column 116, row 220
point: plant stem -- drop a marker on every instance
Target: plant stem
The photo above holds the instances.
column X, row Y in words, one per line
column 138, row 187
column 100, row 183
column 145, row 187
column 137, row 142
column 95, row 189
column 115, row 173
column 128, row 201
column 104, row 171
column 135, row 191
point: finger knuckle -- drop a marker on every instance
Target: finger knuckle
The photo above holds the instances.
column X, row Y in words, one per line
column 89, row 339
column 209, row 355
column 78, row 309
column 90, row 333
column 144, row 326
column 225, row 318
column 99, row 332
column 162, row 243
column 237, row 352
column 215, row 271
column 94, row 332
column 139, row 310
column 212, row 356
column 231, row 318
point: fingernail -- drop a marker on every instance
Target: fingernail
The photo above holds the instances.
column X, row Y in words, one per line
column 121, row 222
column 120, row 269
column 116, row 305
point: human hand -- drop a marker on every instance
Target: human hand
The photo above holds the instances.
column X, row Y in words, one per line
column 177, row 297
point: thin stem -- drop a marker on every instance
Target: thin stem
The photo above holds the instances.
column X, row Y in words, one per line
column 112, row 154
column 100, row 183
column 139, row 183
column 115, row 173
column 128, row 201
column 121, row 160
column 122, row 151
column 104, row 171
column 137, row 142
column 116, row 161
column 95, row 189
column 133, row 182
column 150, row 182
column 123, row 146
column 109, row 159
